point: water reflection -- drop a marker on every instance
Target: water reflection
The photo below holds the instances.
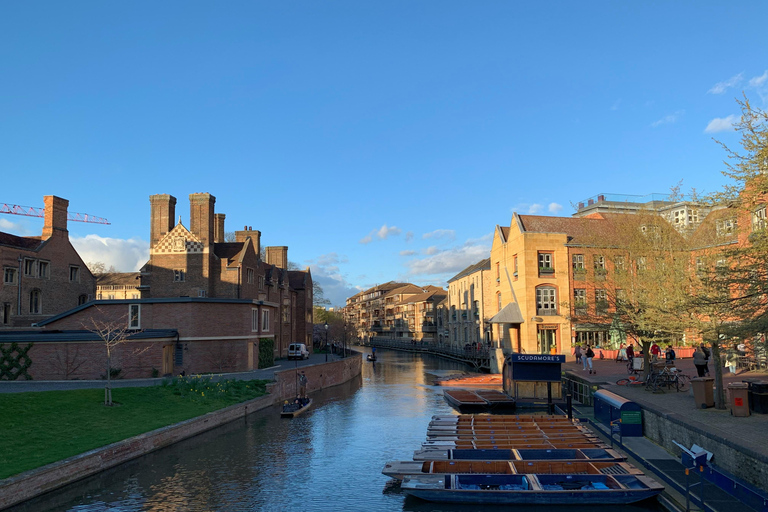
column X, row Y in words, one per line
column 330, row 458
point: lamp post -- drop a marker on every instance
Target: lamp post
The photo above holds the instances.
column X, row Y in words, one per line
column 345, row 340
column 326, row 342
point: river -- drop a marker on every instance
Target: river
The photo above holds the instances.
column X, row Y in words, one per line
column 328, row 459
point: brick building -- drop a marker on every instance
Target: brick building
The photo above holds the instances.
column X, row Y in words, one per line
column 42, row 275
column 118, row 285
column 206, row 305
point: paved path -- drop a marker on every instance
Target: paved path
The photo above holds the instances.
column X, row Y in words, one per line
column 21, row 386
column 749, row 432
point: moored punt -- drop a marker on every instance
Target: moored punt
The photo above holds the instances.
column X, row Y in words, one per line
column 507, row 444
column 502, row 418
column 471, row 381
column 508, row 489
column 546, row 454
column 399, row 469
column 469, row 401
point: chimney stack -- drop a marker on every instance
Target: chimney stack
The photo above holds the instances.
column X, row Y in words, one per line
column 253, row 234
column 55, row 216
column 218, row 222
column 201, row 216
column 162, row 213
column 278, row 256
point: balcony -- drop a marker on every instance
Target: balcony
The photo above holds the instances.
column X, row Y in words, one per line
column 428, row 327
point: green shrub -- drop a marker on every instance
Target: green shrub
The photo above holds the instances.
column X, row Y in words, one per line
column 266, row 352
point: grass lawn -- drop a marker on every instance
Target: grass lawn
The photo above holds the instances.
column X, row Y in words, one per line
column 44, row 427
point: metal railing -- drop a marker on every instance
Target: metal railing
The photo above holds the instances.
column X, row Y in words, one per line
column 581, row 391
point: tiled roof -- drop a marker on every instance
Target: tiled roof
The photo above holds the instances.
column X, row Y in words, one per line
column 228, row 250
column 114, row 278
column 408, row 288
column 421, row 297
column 297, row 279
column 28, row 243
column 706, row 234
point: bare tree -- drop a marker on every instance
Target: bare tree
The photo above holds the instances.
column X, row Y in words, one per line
column 112, row 334
column 100, row 268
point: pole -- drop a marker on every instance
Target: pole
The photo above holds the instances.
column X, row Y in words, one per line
column 569, row 405
column 326, row 343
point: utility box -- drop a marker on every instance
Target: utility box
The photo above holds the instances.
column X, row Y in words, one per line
column 612, row 408
column 739, row 398
column 703, row 392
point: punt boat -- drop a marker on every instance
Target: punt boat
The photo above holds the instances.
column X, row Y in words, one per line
column 533, row 489
column 530, row 454
column 294, row 409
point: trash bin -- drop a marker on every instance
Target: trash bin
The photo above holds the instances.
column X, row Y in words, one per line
column 750, row 398
column 738, row 398
column 760, row 397
column 703, row 393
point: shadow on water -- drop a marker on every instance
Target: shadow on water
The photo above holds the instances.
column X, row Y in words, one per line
column 329, row 458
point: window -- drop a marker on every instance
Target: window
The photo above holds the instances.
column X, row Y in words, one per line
column 35, row 302
column 178, row 275
column 74, row 274
column 82, row 299
column 29, row 267
column 42, row 269
column 498, row 300
column 5, row 313
column 619, row 264
column 178, row 355
column 134, row 316
column 545, row 263
column 758, row 219
column 265, row 320
column 254, row 320
column 599, row 262
column 498, row 275
column 202, row 293
column 249, row 275
column 546, row 301
column 286, row 314
column 514, row 262
column 641, row 263
column 725, row 227
column 111, row 296
column 261, row 282
column 578, row 262
column 134, row 295
column 580, row 300
column 9, row 275
column 601, row 301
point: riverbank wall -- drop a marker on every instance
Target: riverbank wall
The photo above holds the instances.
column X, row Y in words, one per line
column 33, row 483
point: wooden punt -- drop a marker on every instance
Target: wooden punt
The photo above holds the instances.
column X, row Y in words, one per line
column 492, row 381
column 399, row 469
column 290, row 411
column 533, row 489
column 507, row 444
column 547, row 454
column 478, row 401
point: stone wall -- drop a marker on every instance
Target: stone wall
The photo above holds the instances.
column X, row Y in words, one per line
column 35, row 482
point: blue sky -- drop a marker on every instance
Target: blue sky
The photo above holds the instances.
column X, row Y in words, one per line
column 377, row 140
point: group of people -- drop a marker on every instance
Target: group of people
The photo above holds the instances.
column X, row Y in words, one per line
column 585, row 358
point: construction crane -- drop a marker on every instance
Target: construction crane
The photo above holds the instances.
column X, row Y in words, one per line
column 29, row 211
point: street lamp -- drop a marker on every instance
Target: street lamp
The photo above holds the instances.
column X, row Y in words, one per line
column 326, row 342
column 345, row 339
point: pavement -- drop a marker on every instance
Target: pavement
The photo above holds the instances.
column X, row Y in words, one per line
column 22, row 386
column 744, row 433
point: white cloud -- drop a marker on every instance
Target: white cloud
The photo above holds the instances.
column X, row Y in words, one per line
column 669, row 119
column 125, row 255
column 449, row 234
column 443, row 265
column 535, row 208
column 759, row 81
column 325, row 272
column 408, row 253
column 409, row 236
column 721, row 124
column 7, row 225
column 431, row 251
column 555, row 208
column 382, row 233
column 721, row 87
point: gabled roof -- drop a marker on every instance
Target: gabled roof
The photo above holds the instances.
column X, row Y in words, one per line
column 509, row 314
column 227, row 250
column 408, row 288
column 28, row 243
column 118, row 278
column 435, row 295
column 481, row 265
column 297, row 279
column 706, row 233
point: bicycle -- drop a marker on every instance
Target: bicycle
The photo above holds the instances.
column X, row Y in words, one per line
column 631, row 381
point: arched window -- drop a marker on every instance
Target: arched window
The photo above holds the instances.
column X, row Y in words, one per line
column 498, row 300
column 35, row 302
column 546, row 301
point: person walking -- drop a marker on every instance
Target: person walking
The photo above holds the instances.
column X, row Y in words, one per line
column 708, row 354
column 655, row 352
column 589, row 354
column 670, row 355
column 700, row 361
column 577, row 353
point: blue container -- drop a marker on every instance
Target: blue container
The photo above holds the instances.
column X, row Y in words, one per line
column 611, row 408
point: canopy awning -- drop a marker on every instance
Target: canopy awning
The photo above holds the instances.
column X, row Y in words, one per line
column 509, row 314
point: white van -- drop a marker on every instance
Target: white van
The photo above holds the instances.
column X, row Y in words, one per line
column 298, row 351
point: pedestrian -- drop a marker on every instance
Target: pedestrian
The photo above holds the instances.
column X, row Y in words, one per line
column 630, row 354
column 700, row 361
column 655, row 352
column 589, row 354
column 670, row 355
column 708, row 354
column 731, row 358
column 577, row 353
column 302, row 385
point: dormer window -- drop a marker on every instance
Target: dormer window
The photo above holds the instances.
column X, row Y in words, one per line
column 758, row 219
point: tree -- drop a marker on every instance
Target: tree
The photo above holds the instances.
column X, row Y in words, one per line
column 318, row 296
column 112, row 334
column 100, row 268
column 639, row 278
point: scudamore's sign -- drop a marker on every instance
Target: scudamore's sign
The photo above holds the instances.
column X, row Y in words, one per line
column 537, row 358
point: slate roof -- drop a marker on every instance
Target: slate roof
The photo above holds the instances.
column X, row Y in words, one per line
column 228, row 250
column 56, row 336
column 28, row 243
column 421, row 297
column 117, row 278
column 298, row 279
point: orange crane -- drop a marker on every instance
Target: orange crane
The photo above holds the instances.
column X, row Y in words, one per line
column 29, row 211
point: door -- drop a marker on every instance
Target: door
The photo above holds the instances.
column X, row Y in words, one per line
column 168, row 360
column 547, row 340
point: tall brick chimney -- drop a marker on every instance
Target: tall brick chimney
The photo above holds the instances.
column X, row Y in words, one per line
column 218, row 227
column 162, row 213
column 201, row 216
column 55, row 216
column 278, row 256
column 254, row 234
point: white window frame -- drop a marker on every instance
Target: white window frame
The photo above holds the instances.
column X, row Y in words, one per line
column 546, row 301
column 179, row 275
column 38, row 310
column 254, row 320
column 546, row 260
column 578, row 262
column 43, row 269
column 202, row 293
column 74, row 274
column 9, row 271
column 249, row 273
column 265, row 320
column 30, row 268
column 134, row 320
